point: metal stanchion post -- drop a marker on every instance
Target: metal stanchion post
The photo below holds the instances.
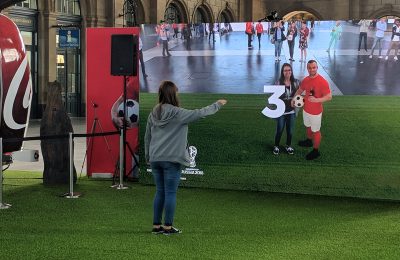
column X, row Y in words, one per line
column 71, row 194
column 2, row 205
column 121, row 186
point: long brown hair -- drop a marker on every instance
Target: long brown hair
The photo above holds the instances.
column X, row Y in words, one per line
column 167, row 94
column 282, row 78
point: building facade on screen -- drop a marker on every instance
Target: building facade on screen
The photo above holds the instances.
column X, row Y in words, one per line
column 54, row 30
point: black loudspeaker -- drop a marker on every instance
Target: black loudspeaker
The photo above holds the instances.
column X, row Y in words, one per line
column 124, row 54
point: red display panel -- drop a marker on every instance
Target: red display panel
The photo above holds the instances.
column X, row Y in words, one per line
column 104, row 101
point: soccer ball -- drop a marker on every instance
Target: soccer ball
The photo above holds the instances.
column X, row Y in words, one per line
column 132, row 109
column 298, row 101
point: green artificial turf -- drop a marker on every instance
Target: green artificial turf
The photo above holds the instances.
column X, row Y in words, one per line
column 360, row 147
column 217, row 224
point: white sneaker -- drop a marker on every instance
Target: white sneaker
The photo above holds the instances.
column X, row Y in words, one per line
column 380, row 57
column 370, row 56
column 387, row 57
column 289, row 150
column 395, row 58
column 276, row 58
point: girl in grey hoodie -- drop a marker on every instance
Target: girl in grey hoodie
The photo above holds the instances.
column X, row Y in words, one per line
column 166, row 150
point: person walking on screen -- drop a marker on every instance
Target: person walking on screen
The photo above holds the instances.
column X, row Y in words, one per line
column 141, row 59
column 312, row 25
column 164, row 36
column 395, row 43
column 336, row 34
column 364, row 24
column 289, row 116
column 379, row 36
column 187, row 34
column 291, row 39
column 211, row 31
column 279, row 37
column 303, row 41
column 166, row 150
column 249, row 32
column 317, row 92
column 259, row 30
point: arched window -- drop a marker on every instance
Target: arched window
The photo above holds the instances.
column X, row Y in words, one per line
column 225, row 16
column 300, row 15
column 68, row 7
column 202, row 15
column 172, row 14
column 199, row 17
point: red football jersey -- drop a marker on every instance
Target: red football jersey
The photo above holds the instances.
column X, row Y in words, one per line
column 317, row 87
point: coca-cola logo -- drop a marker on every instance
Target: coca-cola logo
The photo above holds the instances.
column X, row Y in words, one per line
column 9, row 101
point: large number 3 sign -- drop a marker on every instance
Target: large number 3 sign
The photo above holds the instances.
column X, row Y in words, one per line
column 277, row 91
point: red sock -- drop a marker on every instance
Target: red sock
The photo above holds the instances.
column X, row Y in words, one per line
column 317, row 139
column 309, row 133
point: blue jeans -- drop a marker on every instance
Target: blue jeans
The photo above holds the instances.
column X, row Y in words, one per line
column 278, row 48
column 289, row 121
column 377, row 40
column 166, row 177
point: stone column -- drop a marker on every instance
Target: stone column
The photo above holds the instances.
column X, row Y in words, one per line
column 157, row 10
column 354, row 9
column 47, row 66
column 258, row 10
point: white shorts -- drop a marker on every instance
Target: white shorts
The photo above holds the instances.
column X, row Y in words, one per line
column 313, row 121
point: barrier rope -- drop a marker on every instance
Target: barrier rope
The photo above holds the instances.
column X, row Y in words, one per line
column 49, row 137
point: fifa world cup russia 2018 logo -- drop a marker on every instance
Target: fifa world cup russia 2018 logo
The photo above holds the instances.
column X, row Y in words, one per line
column 192, row 156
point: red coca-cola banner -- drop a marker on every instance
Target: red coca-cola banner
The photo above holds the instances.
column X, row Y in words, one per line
column 104, row 106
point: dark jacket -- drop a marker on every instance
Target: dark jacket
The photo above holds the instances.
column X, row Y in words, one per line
column 283, row 37
column 394, row 31
column 294, row 35
column 287, row 99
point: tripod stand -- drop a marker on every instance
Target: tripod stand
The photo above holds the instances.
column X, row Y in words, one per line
column 96, row 121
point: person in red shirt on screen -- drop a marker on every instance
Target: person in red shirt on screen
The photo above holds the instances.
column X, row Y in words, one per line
column 249, row 32
column 259, row 30
column 317, row 92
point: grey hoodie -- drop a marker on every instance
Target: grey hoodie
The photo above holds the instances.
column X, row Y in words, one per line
column 166, row 138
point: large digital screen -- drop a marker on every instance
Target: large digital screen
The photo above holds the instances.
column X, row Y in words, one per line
column 235, row 148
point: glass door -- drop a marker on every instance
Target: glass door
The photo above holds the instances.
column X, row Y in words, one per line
column 68, row 74
column 29, row 39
